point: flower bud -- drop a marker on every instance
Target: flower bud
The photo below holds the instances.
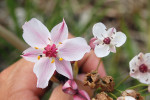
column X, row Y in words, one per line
column 70, row 87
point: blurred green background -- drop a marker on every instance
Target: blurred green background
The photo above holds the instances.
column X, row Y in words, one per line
column 129, row 16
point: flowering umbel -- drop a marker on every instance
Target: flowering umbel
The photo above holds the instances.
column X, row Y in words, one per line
column 106, row 41
column 51, row 50
column 140, row 67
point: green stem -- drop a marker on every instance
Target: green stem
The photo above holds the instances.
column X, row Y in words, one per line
column 122, row 81
column 114, row 96
column 139, row 85
column 143, row 90
column 118, row 91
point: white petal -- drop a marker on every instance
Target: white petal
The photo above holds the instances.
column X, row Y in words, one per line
column 135, row 63
column 112, row 48
column 119, row 39
column 147, row 59
column 142, row 77
column 44, row 70
column 64, row 67
column 35, row 33
column 126, row 98
column 101, row 50
column 60, row 32
column 111, row 32
column 32, row 54
column 99, row 30
column 73, row 49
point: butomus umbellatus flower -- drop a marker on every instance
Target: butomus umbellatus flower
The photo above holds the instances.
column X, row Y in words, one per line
column 106, row 41
column 51, row 50
column 140, row 67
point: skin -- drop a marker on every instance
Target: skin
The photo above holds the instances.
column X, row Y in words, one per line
column 18, row 82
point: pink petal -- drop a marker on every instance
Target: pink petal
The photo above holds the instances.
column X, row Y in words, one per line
column 70, row 87
column 81, row 95
column 44, row 70
column 31, row 54
column 60, row 32
column 92, row 45
column 73, row 49
column 119, row 39
column 64, row 67
column 101, row 50
column 99, row 30
column 35, row 33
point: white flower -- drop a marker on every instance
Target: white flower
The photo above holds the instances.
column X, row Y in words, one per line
column 126, row 98
column 106, row 41
column 140, row 68
column 51, row 50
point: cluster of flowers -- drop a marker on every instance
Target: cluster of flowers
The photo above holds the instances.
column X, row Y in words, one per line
column 52, row 52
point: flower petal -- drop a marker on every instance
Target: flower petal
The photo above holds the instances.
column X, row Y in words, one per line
column 44, row 70
column 31, row 54
column 73, row 49
column 119, row 39
column 81, row 95
column 101, row 50
column 70, row 87
column 92, row 45
column 64, row 67
column 111, row 32
column 60, row 32
column 147, row 59
column 99, row 30
column 35, row 33
column 112, row 48
column 126, row 98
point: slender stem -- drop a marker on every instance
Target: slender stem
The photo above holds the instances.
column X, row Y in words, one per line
column 122, row 81
column 139, row 85
column 100, row 60
column 118, row 90
column 143, row 90
column 12, row 39
column 114, row 96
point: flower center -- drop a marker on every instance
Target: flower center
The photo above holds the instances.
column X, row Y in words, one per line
column 50, row 51
column 107, row 40
column 143, row 68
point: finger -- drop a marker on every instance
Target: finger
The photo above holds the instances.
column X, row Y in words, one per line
column 90, row 62
column 58, row 94
column 20, row 81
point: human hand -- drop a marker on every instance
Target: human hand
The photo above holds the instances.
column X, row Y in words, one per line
column 18, row 82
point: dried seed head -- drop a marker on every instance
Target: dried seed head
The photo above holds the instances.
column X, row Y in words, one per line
column 132, row 93
column 92, row 79
column 107, row 84
column 102, row 96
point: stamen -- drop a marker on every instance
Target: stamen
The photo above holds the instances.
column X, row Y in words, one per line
column 60, row 42
column 60, row 59
column 52, row 61
column 36, row 47
column 38, row 57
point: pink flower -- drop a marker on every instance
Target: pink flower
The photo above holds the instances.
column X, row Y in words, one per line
column 70, row 87
column 51, row 50
column 81, row 95
column 126, row 98
column 140, row 67
column 106, row 41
